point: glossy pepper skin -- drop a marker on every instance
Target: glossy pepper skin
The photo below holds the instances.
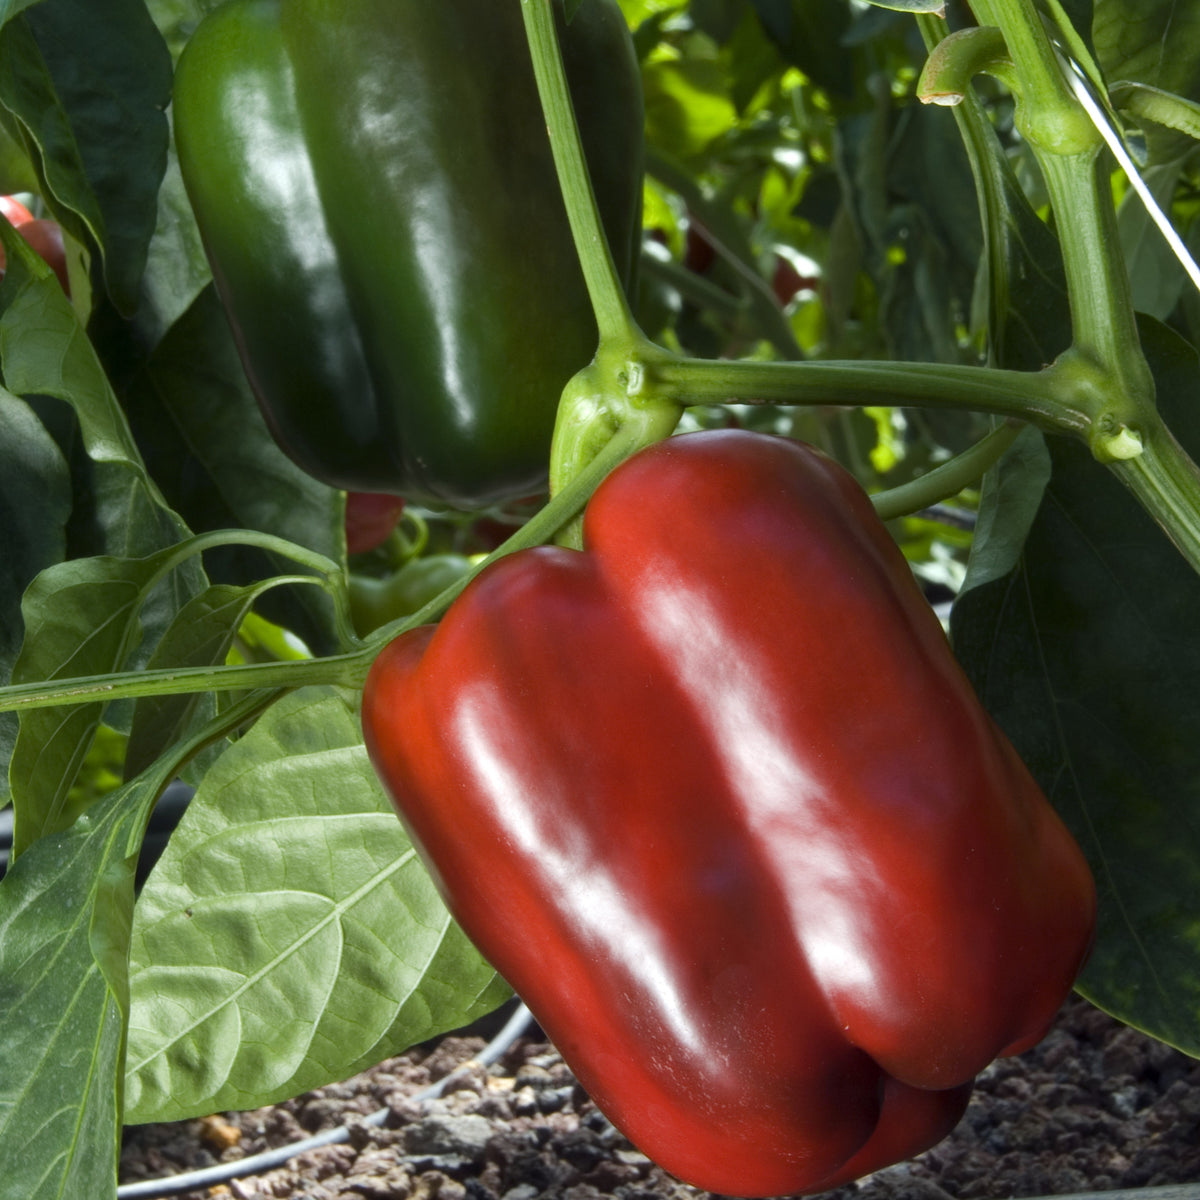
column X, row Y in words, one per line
column 376, row 194
column 716, row 799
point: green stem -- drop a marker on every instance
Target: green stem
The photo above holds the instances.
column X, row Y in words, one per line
column 1167, row 484
column 613, row 315
column 343, row 669
column 950, row 478
column 1102, row 313
column 1049, row 398
column 328, row 575
column 1047, row 114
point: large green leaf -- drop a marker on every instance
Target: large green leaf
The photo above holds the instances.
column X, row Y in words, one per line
column 289, row 936
column 1156, row 42
column 1085, row 651
column 64, row 923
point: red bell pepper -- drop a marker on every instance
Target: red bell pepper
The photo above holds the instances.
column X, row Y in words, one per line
column 370, row 519
column 716, row 799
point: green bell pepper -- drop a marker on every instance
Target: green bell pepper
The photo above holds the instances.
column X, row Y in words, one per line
column 375, row 190
column 375, row 602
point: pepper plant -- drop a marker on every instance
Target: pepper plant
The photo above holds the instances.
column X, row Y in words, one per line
column 920, row 241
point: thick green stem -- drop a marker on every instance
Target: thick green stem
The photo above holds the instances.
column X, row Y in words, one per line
column 1048, row 115
column 1049, row 398
column 1102, row 314
column 613, row 314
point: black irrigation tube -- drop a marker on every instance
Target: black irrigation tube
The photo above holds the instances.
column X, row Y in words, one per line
column 268, row 1160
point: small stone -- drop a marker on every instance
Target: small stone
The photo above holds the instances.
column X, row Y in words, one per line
column 219, row 1134
column 440, row 1134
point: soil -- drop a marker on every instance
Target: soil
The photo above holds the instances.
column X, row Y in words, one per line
column 1095, row 1107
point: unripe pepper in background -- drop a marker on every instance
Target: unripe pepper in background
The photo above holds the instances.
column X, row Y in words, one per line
column 375, row 602
column 716, row 799
column 375, row 189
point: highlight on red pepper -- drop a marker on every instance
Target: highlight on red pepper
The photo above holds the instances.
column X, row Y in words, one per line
column 44, row 236
column 714, row 796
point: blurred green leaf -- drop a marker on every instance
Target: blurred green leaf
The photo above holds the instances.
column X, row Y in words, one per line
column 687, row 104
column 910, row 6
column 289, row 936
column 809, row 35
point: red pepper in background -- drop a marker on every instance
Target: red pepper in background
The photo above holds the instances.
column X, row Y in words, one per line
column 716, row 799
column 370, row 519
column 44, row 236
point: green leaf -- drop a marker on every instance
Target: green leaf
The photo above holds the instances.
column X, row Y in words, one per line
column 1155, row 274
column 810, row 35
column 1008, row 506
column 64, row 922
column 910, row 6
column 35, row 502
column 177, row 269
column 205, row 439
column 81, row 618
column 289, row 936
column 1156, row 43
column 88, row 86
column 687, row 104
column 43, row 352
column 200, row 635
column 1085, row 653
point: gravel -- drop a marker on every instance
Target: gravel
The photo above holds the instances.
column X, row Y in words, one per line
column 1096, row 1106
